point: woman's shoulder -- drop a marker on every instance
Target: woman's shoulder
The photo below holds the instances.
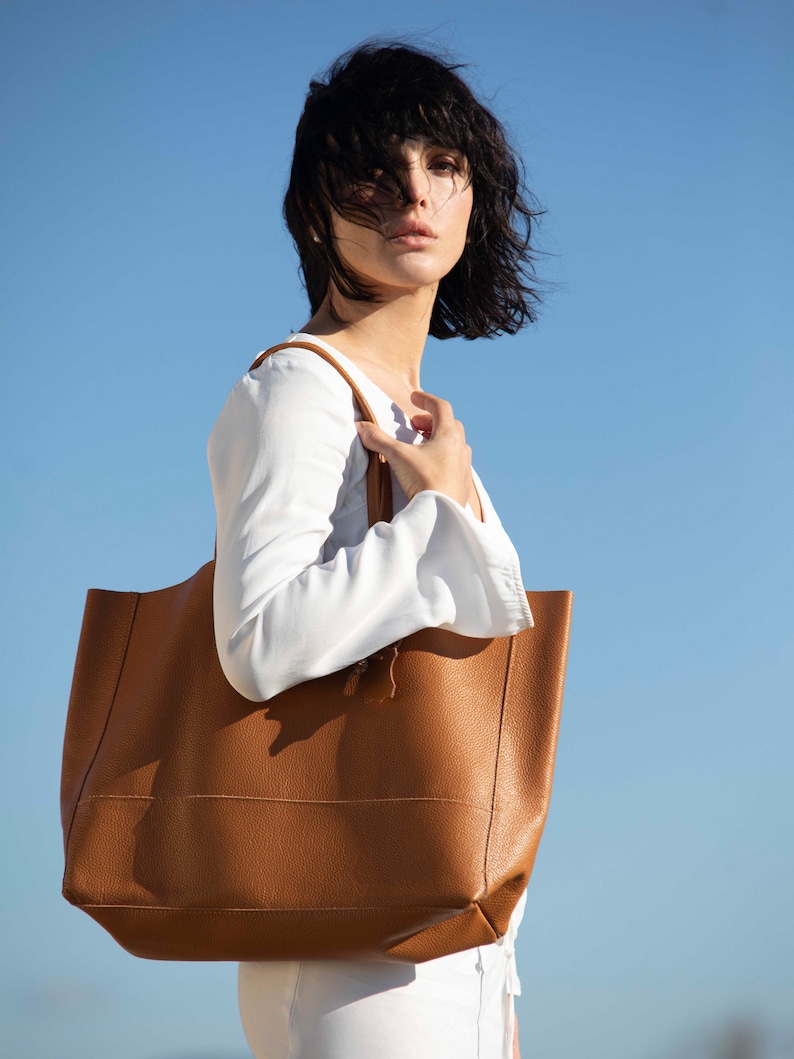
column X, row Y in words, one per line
column 291, row 390
column 292, row 369
column 292, row 375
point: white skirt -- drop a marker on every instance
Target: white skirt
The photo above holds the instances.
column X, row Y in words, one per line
column 456, row 1007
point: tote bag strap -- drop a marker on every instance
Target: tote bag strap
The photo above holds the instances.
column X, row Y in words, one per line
column 379, row 494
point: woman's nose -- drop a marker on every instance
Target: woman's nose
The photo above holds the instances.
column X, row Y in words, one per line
column 416, row 185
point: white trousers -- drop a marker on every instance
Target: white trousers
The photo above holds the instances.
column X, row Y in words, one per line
column 456, row 1007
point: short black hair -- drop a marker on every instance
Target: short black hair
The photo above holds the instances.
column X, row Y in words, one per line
column 371, row 97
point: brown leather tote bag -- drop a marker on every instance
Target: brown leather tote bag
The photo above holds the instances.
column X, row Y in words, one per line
column 391, row 811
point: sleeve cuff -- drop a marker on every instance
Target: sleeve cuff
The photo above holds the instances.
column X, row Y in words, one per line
column 495, row 551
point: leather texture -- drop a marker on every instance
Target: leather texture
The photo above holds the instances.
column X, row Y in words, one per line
column 390, row 811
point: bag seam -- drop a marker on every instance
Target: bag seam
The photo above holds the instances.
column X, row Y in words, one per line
column 283, row 801
column 324, row 909
column 489, row 831
column 101, row 739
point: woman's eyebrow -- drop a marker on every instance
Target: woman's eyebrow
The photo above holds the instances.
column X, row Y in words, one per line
column 427, row 147
column 438, row 145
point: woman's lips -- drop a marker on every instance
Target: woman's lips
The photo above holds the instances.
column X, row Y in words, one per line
column 412, row 239
column 412, row 233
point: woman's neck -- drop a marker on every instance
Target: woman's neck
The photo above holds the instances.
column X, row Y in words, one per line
column 385, row 339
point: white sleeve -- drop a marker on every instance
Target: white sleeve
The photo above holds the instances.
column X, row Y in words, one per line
column 283, row 464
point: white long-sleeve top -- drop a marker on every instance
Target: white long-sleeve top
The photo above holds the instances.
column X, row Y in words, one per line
column 302, row 586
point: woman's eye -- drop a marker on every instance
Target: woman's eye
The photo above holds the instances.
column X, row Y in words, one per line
column 446, row 165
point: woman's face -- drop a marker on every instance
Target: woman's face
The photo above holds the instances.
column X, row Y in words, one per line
column 420, row 241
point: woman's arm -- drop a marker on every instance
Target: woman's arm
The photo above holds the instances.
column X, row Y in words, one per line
column 288, row 469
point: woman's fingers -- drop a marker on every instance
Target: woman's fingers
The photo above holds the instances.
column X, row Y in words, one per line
column 442, row 462
column 374, row 439
column 423, row 423
column 439, row 410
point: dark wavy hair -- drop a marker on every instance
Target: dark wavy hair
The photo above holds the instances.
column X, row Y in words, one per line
column 372, row 98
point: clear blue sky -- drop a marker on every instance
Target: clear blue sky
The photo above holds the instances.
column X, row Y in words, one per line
column 637, row 443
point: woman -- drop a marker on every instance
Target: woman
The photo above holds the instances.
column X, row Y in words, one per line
column 406, row 209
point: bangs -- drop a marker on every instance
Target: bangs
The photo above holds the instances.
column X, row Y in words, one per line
column 370, row 126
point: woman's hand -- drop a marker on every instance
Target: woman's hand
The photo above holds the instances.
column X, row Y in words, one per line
column 442, row 462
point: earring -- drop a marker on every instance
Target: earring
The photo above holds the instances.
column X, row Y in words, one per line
column 315, row 237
